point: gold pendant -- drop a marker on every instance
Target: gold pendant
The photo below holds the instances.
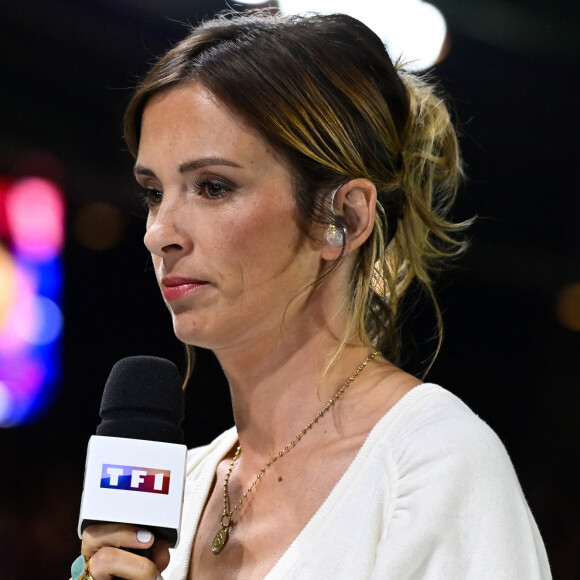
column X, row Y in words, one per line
column 219, row 541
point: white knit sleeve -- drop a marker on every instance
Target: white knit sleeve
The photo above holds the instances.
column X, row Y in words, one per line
column 458, row 511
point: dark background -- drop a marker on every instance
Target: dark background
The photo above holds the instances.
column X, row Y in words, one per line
column 67, row 68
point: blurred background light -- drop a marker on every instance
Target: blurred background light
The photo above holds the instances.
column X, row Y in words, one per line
column 99, row 226
column 19, row 318
column 40, row 322
column 23, row 380
column 35, row 216
column 568, row 307
column 7, row 284
column 49, row 279
column 32, row 212
column 4, row 187
column 5, row 403
column 413, row 31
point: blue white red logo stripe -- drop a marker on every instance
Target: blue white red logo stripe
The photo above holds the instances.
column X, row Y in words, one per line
column 132, row 478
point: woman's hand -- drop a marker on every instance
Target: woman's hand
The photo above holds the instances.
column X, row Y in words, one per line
column 102, row 543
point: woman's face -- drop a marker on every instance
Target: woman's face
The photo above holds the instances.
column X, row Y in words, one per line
column 222, row 229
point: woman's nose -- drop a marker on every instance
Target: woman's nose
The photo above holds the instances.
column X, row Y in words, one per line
column 165, row 233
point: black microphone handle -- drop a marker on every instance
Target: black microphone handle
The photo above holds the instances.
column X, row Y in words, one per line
column 143, row 399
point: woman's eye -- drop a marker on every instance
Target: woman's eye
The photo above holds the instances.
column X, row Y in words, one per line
column 212, row 188
column 151, row 197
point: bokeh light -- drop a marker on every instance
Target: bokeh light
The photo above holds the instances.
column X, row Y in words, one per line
column 31, row 320
column 413, row 30
column 41, row 322
column 5, row 403
column 568, row 307
column 19, row 318
column 7, row 283
column 35, row 216
column 99, row 226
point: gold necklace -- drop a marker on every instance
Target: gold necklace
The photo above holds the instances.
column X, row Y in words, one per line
column 221, row 537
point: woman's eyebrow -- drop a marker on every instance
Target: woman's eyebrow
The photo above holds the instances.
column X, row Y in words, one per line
column 140, row 170
column 188, row 165
column 204, row 162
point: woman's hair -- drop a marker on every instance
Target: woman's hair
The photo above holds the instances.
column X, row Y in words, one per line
column 322, row 90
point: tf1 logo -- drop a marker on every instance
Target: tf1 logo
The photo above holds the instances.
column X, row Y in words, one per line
column 135, row 478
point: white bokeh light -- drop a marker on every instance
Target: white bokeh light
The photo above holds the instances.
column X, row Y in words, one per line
column 412, row 30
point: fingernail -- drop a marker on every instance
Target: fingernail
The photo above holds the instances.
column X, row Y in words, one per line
column 144, row 536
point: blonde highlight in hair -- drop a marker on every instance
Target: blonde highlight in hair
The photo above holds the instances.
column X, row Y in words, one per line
column 425, row 238
column 322, row 90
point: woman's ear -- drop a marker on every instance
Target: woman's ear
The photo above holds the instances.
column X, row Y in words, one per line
column 354, row 201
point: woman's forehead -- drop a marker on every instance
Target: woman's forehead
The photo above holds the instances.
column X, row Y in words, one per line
column 190, row 116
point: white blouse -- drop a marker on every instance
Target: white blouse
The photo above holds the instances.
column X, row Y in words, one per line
column 431, row 495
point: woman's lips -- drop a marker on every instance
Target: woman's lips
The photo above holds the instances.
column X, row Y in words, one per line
column 174, row 288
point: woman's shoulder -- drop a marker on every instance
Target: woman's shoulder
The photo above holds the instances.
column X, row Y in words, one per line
column 437, row 451
column 431, row 423
column 432, row 410
column 449, row 482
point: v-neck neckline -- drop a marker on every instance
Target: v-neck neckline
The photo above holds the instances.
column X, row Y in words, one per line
column 215, row 452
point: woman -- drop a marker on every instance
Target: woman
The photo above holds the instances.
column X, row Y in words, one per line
column 297, row 184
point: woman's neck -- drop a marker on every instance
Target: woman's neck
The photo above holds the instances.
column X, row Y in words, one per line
column 277, row 388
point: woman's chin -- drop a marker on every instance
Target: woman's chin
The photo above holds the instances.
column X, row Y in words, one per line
column 189, row 338
column 194, row 336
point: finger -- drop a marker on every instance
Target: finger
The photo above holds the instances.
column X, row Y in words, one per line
column 115, row 535
column 161, row 553
column 109, row 562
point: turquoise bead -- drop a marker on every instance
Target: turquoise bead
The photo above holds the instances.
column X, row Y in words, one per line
column 77, row 568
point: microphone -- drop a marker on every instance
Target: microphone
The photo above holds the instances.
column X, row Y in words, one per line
column 135, row 466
